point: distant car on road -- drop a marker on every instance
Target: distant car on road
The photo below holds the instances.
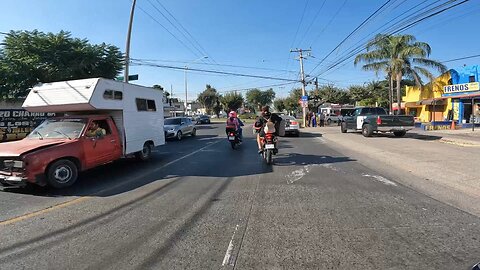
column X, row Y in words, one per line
column 376, row 119
column 292, row 125
column 177, row 127
column 203, row 119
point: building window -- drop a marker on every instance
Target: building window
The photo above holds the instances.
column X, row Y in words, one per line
column 146, row 105
column 112, row 94
column 471, row 78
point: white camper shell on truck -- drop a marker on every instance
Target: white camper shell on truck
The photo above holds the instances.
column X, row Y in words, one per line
column 136, row 110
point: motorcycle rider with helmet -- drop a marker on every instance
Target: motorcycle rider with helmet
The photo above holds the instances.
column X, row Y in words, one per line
column 260, row 123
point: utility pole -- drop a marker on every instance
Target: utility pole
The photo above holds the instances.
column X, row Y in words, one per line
column 127, row 47
column 301, row 57
column 186, row 91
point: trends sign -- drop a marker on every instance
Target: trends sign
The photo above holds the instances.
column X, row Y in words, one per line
column 16, row 124
column 463, row 87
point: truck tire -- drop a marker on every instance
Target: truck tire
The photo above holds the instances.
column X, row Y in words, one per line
column 146, row 152
column 399, row 133
column 367, row 130
column 62, row 173
column 343, row 127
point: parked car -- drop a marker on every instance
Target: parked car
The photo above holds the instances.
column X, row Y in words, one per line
column 203, row 119
column 333, row 118
column 107, row 120
column 376, row 119
column 178, row 127
column 291, row 125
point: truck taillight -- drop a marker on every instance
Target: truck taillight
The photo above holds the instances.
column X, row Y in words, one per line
column 379, row 120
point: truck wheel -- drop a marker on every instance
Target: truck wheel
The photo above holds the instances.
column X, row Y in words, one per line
column 399, row 133
column 62, row 173
column 343, row 127
column 367, row 130
column 179, row 135
column 146, row 152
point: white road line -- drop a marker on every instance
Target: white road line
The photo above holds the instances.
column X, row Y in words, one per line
column 321, row 140
column 228, row 259
column 381, row 179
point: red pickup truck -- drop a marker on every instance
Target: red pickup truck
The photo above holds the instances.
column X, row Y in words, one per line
column 58, row 149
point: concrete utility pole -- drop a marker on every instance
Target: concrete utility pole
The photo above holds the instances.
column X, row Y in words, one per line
column 127, row 47
column 301, row 57
column 186, row 87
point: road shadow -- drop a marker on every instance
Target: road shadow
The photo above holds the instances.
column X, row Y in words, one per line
column 292, row 159
column 410, row 135
column 172, row 163
column 204, row 126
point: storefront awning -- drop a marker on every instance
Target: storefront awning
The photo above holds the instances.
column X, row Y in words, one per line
column 412, row 104
column 432, row 101
column 476, row 95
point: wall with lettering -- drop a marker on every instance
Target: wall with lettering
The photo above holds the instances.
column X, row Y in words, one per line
column 15, row 124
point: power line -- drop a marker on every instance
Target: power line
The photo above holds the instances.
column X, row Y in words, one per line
column 176, row 27
column 311, row 24
column 264, row 86
column 216, row 64
column 353, row 32
column 188, row 33
column 403, row 26
column 461, row 58
column 218, row 72
column 330, row 22
column 166, row 29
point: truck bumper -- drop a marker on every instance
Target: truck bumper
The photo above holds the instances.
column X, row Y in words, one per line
column 13, row 179
column 393, row 129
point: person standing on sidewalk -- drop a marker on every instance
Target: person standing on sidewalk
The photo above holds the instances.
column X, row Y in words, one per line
column 322, row 119
column 314, row 120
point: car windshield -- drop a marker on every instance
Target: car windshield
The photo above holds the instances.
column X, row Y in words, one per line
column 59, row 128
column 173, row 121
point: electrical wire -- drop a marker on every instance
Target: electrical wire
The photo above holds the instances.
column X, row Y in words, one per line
column 216, row 72
column 353, row 32
column 461, row 58
column 402, row 28
column 168, row 31
column 329, row 23
column 311, row 24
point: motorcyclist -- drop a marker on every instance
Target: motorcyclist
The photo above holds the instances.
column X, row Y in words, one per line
column 260, row 123
column 234, row 121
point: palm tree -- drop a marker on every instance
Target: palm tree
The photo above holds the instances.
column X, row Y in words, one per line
column 399, row 56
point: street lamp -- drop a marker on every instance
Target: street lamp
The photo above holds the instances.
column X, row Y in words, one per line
column 186, row 88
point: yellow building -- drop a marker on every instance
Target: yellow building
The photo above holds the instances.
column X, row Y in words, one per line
column 427, row 102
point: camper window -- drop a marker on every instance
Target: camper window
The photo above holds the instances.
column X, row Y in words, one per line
column 146, row 105
column 151, row 105
column 112, row 94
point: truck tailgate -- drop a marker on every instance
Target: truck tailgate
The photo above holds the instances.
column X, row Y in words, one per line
column 397, row 120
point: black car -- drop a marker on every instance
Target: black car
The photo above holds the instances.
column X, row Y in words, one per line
column 203, row 119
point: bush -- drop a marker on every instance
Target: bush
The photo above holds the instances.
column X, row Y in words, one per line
column 247, row 116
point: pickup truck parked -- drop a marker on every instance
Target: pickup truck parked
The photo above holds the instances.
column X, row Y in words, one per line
column 375, row 119
column 104, row 120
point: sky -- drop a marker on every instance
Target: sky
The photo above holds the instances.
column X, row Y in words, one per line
column 237, row 34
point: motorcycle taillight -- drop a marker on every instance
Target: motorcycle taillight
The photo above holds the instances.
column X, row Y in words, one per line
column 231, row 134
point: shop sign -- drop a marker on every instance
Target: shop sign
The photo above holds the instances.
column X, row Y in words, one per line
column 463, row 87
column 16, row 124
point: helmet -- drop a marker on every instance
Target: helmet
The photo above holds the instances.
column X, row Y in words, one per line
column 232, row 114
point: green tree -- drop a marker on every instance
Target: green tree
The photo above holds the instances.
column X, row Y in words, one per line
column 279, row 104
column 231, row 102
column 291, row 102
column 260, row 98
column 399, row 56
column 31, row 57
column 333, row 94
column 209, row 99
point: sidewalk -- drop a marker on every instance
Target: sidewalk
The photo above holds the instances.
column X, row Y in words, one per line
column 462, row 137
column 441, row 164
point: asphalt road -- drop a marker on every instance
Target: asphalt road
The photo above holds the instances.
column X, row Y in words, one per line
column 200, row 205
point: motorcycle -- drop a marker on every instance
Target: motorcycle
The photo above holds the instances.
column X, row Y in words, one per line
column 269, row 143
column 232, row 136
